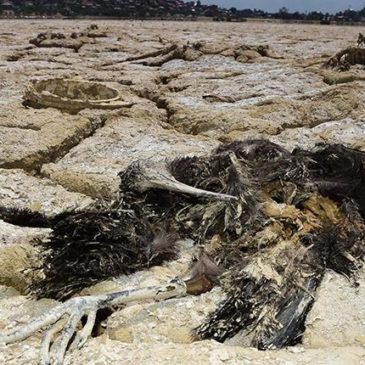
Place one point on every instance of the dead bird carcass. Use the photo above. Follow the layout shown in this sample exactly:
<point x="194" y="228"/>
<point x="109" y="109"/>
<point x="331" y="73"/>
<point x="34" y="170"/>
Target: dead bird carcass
<point x="282" y="219"/>
<point x="73" y="95"/>
<point x="354" y="55"/>
<point x="57" y="40"/>
<point x="73" y="41"/>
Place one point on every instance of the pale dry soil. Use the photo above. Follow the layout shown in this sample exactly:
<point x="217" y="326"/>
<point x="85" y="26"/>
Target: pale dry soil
<point x="52" y="161"/>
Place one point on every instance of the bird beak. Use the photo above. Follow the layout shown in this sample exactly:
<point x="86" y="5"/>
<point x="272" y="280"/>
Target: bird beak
<point x="171" y="184"/>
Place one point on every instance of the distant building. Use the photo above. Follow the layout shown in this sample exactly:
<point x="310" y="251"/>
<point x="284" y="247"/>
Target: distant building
<point x="7" y="8"/>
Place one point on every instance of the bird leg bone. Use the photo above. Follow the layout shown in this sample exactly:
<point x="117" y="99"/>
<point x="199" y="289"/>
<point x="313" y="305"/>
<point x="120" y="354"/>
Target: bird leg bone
<point x="77" y="308"/>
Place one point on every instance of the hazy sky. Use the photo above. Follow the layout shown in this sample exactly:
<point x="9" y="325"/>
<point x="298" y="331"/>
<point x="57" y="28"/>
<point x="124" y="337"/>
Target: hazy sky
<point x="292" y="5"/>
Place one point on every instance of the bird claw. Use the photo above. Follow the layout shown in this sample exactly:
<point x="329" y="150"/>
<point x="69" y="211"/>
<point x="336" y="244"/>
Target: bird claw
<point x="65" y="318"/>
<point x="80" y="307"/>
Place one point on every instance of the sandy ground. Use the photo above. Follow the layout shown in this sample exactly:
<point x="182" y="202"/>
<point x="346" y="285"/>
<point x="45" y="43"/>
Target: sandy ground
<point x="211" y="89"/>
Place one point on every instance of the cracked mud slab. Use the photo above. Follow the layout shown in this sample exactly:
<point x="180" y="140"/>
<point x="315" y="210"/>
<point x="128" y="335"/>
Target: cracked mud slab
<point x="18" y="249"/>
<point x="32" y="137"/>
<point x="17" y="189"/>
<point x="347" y="131"/>
<point x="92" y="166"/>
<point x="343" y="314"/>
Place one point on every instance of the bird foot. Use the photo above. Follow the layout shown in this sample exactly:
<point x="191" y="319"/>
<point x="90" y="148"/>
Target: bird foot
<point x="66" y="317"/>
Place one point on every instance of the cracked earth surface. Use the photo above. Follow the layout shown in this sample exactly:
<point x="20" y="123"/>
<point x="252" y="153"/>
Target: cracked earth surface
<point x="191" y="85"/>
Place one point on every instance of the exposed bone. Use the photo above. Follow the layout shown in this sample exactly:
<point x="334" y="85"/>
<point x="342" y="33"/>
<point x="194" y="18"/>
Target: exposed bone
<point x="76" y="308"/>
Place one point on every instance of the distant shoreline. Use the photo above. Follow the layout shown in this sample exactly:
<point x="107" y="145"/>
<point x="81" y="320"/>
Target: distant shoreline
<point x="185" y="19"/>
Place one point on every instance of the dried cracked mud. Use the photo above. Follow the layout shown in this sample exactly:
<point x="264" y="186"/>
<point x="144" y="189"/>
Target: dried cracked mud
<point x="188" y="87"/>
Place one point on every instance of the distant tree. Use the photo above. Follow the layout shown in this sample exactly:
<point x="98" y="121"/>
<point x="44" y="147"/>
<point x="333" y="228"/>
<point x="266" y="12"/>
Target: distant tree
<point x="212" y="11"/>
<point x="315" y="15"/>
<point x="351" y="15"/>
<point x="297" y="15"/>
<point x="284" y="13"/>
<point x="148" y="8"/>
<point x="284" y="10"/>
<point x="141" y="11"/>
